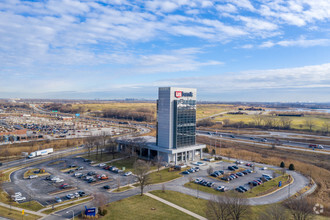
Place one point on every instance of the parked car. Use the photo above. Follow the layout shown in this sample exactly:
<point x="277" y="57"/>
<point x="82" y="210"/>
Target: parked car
<point x="220" y="188"/>
<point x="198" y="180"/>
<point x="64" y="186"/>
<point x="185" y="172"/>
<point x="79" y="168"/>
<point x="245" y="172"/>
<point x="231" y="168"/>
<point x="238" y="162"/>
<point x="58" y="199"/>
<point x="106" y="187"/>
<point x="249" y="171"/>
<point x="19" y="199"/>
<point x="33" y="176"/>
<point x="87" y="160"/>
<point x="196" y="169"/>
<point x="239" y="174"/>
<point x="210" y="184"/>
<point x="235" y="167"/>
<point x="264" y="168"/>
<point x="239" y="190"/>
<point x="59" y="180"/>
<point x="225" y="178"/>
<point x="128" y="173"/>
<point x="243" y="188"/>
<point x="70" y="196"/>
<point x="70" y="171"/>
<point x="76" y="195"/>
<point x="81" y="193"/>
<point x="102" y="164"/>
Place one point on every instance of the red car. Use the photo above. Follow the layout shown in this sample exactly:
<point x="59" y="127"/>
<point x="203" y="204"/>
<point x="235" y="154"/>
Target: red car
<point x="64" y="185"/>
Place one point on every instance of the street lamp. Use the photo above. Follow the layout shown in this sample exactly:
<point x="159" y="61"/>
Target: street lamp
<point x="72" y="213"/>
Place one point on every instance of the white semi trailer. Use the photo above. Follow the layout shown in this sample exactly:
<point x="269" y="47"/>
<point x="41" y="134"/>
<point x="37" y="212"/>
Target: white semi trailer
<point x="41" y="152"/>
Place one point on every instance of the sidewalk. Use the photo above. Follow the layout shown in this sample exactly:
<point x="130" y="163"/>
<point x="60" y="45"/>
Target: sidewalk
<point x="176" y="206"/>
<point x="20" y="210"/>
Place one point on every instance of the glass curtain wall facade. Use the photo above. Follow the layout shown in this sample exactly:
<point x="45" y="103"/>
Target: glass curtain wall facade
<point x="184" y="123"/>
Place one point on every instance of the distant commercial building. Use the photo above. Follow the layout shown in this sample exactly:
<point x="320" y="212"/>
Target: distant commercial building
<point x="176" y="128"/>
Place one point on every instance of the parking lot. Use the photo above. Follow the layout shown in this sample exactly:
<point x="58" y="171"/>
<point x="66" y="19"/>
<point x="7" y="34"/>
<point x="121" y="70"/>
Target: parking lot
<point x="45" y="191"/>
<point x="244" y="180"/>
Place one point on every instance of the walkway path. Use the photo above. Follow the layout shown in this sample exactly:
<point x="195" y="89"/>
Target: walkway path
<point x="19" y="209"/>
<point x="175" y="206"/>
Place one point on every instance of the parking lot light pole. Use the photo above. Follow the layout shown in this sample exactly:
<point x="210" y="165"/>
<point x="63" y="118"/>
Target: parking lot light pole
<point x="72" y="213"/>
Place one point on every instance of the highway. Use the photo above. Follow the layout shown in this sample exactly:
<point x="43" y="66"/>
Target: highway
<point x="261" y="141"/>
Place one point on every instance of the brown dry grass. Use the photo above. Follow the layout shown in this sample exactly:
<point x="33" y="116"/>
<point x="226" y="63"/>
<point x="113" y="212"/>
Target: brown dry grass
<point x="310" y="164"/>
<point x="13" y="151"/>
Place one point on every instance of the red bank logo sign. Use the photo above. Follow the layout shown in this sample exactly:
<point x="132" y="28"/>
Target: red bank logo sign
<point x="178" y="94"/>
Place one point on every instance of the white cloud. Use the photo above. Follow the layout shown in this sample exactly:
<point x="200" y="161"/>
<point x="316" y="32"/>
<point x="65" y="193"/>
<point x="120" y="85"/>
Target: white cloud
<point x="301" y="42"/>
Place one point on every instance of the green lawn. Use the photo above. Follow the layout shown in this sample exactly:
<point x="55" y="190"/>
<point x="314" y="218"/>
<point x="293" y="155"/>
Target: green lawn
<point x="164" y="176"/>
<point x="191" y="203"/>
<point x="13" y="214"/>
<point x="255" y="191"/>
<point x="143" y="207"/>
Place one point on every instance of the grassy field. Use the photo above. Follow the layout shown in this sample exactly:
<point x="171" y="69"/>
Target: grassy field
<point x="191" y="203"/>
<point x="198" y="206"/>
<point x="143" y="207"/>
<point x="12" y="214"/>
<point x="206" y="110"/>
<point x="298" y="123"/>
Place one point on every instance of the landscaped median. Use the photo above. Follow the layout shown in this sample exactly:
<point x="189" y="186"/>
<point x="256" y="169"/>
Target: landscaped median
<point x="67" y="204"/>
<point x="121" y="189"/>
<point x="34" y="171"/>
<point x="269" y="187"/>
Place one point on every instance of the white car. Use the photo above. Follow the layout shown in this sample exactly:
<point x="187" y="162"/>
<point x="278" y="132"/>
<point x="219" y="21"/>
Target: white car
<point x="59" y="180"/>
<point x="76" y="195"/>
<point x="33" y="176"/>
<point x="102" y="164"/>
<point x="264" y="168"/>
<point x="19" y="198"/>
<point x="128" y="173"/>
<point x="70" y="196"/>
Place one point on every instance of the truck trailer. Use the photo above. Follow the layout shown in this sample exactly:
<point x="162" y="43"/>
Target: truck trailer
<point x="41" y="152"/>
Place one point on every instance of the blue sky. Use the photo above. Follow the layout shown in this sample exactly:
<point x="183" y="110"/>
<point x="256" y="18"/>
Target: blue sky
<point x="230" y="50"/>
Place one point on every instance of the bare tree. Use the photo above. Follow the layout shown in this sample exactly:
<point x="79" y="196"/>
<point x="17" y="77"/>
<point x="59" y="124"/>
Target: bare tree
<point x="141" y="170"/>
<point x="118" y="180"/>
<point x="210" y="170"/>
<point x="274" y="212"/>
<point x="258" y="119"/>
<point x="285" y="122"/>
<point x="90" y="143"/>
<point x="229" y="206"/>
<point x="100" y="200"/>
<point x="300" y="208"/>
<point x="111" y="147"/>
<point x="325" y="127"/>
<point x="159" y="162"/>
<point x="218" y="209"/>
<point x="309" y="123"/>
